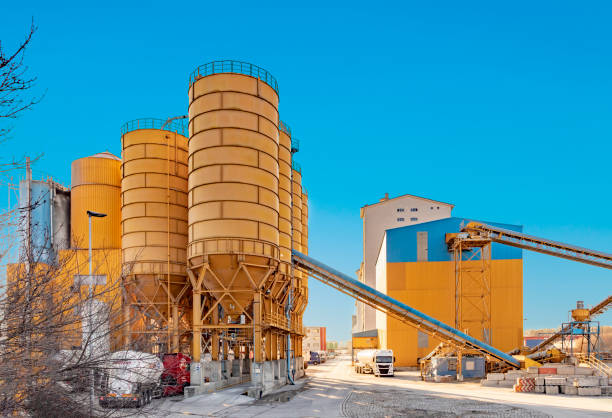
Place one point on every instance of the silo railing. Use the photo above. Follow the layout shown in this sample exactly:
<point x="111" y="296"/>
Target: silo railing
<point x="295" y="145"/>
<point x="177" y="126"/>
<point x="284" y="127"/>
<point x="296" y="166"/>
<point x="237" y="67"/>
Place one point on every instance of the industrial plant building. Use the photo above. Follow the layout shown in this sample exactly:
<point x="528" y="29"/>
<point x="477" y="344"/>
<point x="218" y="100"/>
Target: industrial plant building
<point x="409" y="256"/>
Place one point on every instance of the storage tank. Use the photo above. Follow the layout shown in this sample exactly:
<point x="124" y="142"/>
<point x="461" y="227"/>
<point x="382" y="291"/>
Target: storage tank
<point x="96" y="186"/>
<point x="233" y="198"/>
<point x="304" y="221"/>
<point x="48" y="203"/>
<point x="284" y="192"/>
<point x="296" y="210"/>
<point x="154" y="223"/>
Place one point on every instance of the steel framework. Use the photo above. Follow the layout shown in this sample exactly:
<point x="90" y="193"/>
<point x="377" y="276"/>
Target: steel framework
<point x="472" y="257"/>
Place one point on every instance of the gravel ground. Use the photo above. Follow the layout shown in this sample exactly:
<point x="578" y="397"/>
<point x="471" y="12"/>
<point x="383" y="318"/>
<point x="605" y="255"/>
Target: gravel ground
<point x="405" y="403"/>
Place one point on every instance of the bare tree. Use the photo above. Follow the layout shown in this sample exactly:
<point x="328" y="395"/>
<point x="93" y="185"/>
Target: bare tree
<point x="15" y="82"/>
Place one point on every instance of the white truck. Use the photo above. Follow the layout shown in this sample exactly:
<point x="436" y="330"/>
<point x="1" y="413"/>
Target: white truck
<point x="377" y="362"/>
<point x="132" y="379"/>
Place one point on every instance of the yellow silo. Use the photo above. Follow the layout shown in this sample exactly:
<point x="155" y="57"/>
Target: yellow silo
<point x="233" y="250"/>
<point x="154" y="231"/>
<point x="296" y="210"/>
<point x="96" y="186"/>
<point x="304" y="221"/>
<point x="284" y="192"/>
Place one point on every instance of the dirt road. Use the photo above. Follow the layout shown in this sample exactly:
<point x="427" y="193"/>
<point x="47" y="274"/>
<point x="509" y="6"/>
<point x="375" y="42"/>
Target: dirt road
<point x="333" y="389"/>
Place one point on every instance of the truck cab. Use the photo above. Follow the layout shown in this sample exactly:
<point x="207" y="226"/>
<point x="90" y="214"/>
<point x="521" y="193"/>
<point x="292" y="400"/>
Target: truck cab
<point x="384" y="363"/>
<point x="176" y="373"/>
<point x="377" y="362"/>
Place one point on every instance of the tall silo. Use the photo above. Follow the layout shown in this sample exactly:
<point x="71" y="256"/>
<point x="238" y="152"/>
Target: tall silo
<point x="96" y="186"/>
<point x="233" y="250"/>
<point x="284" y="192"/>
<point x="154" y="232"/>
<point x="304" y="221"/>
<point x="300" y="278"/>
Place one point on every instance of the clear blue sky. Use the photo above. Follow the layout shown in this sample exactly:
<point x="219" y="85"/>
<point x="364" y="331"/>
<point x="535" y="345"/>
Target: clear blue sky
<point x="503" y="110"/>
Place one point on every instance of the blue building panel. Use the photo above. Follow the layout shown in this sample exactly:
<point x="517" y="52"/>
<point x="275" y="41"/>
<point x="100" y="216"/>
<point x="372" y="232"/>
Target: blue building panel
<point x="402" y="242"/>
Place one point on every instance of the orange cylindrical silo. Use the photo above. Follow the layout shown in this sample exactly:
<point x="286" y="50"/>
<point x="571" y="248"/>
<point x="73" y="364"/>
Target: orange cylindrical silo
<point x="285" y="192"/>
<point x="296" y="209"/>
<point x="304" y="221"/>
<point x="154" y="223"/>
<point x="96" y="186"/>
<point x="233" y="199"/>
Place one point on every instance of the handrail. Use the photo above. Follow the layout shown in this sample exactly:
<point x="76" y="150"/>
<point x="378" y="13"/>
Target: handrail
<point x="296" y="166"/>
<point x="283" y="127"/>
<point x="529" y="242"/>
<point x="396" y="309"/>
<point x="295" y="145"/>
<point x="236" y="67"/>
<point x="177" y="126"/>
<point x="595" y="363"/>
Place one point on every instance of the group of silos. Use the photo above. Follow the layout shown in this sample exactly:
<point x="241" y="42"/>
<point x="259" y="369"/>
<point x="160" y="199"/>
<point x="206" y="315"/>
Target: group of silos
<point x="206" y="215"/>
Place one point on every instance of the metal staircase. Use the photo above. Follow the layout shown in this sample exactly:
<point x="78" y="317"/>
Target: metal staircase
<point x="594" y="363"/>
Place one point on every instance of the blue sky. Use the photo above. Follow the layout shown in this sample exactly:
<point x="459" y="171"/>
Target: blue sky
<point x="503" y="110"/>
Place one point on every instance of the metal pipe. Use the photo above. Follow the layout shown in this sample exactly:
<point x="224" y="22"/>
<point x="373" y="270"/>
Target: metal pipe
<point x="92" y="393"/>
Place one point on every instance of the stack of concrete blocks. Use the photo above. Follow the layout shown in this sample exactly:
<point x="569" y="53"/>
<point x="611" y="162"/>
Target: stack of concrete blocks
<point x="553" y="379"/>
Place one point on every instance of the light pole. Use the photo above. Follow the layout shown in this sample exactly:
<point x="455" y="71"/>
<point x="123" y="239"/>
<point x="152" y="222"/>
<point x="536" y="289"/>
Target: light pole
<point x="91" y="214"/>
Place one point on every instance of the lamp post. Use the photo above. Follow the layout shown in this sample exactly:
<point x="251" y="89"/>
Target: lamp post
<point x="91" y="214"/>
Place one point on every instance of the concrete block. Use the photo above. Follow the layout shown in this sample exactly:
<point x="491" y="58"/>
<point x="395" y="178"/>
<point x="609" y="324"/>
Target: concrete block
<point x="506" y="383"/>
<point x="532" y="369"/>
<point x="443" y="379"/>
<point x="586" y="381"/>
<point x="539" y="389"/>
<point x="513" y="375"/>
<point x="592" y="391"/>
<point x="495" y="376"/>
<point x="489" y="383"/>
<point x="569" y="390"/>
<point x="547" y="370"/>
<point x="606" y="390"/>
<point x="565" y="370"/>
<point x="583" y="371"/>
<point x="603" y="381"/>
<point x="552" y="390"/>
<point x="540" y="381"/>
<point x="555" y="381"/>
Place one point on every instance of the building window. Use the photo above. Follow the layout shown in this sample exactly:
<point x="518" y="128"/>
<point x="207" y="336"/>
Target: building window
<point x="414" y="209"/>
<point x="400" y="219"/>
<point x="414" y="219"/>
<point x="400" y="209"/>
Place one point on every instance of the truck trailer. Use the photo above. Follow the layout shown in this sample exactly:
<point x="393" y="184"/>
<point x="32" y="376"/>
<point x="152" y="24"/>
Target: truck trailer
<point x="133" y="379"/>
<point x="377" y="362"/>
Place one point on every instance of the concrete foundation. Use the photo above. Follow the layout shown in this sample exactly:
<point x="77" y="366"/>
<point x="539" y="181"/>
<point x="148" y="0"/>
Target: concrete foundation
<point x="210" y="376"/>
<point x="269" y="376"/>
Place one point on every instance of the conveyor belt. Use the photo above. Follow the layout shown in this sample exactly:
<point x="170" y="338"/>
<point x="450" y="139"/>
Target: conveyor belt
<point x="397" y="309"/>
<point x="541" y="245"/>
<point x="596" y="310"/>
